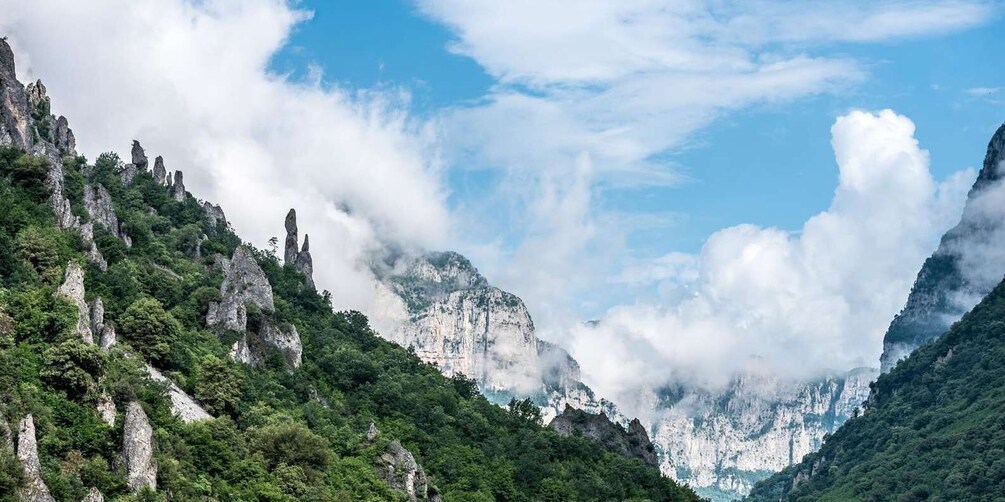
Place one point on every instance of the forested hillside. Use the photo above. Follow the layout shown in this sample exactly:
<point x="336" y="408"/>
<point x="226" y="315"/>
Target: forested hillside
<point x="933" y="428"/>
<point x="124" y="303"/>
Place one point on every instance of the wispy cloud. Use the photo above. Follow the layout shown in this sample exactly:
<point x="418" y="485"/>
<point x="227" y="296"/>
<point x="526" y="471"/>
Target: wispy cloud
<point x="983" y="91"/>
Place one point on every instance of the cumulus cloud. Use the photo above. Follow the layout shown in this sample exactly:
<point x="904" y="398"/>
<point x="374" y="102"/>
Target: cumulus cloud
<point x="626" y="85"/>
<point x="799" y="303"/>
<point x="190" y="80"/>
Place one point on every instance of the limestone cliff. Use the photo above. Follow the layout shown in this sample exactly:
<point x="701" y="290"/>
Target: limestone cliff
<point x="442" y="307"/>
<point x="721" y="442"/>
<point x="301" y="260"/>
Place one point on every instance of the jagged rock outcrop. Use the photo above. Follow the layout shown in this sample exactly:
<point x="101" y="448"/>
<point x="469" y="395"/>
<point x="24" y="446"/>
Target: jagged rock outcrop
<point x="106" y="409"/>
<point x="178" y="187"/>
<point x="398" y="467"/>
<point x="442" y="307"/>
<point x="372" y="432"/>
<point x="98" y="203"/>
<point x="966" y="266"/>
<point x="723" y="441"/>
<point x="292" y="238"/>
<point x="138" y="449"/>
<point x="104" y="332"/>
<point x="73" y="290"/>
<point x="245" y="284"/>
<point x="633" y="442"/>
<point x="26" y="122"/>
<point x="159" y="172"/>
<point x="139" y="157"/>
<point x="15" y="128"/>
<point x="187" y="409"/>
<point x="301" y="260"/>
<point x="129" y="171"/>
<point x="305" y="264"/>
<point x="214" y="215"/>
<point x="93" y="496"/>
<point x="33" y="488"/>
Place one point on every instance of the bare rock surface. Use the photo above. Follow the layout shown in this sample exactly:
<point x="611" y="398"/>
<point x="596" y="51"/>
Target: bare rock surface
<point x="33" y="488"/>
<point x="106" y="409"/>
<point x="73" y="290"/>
<point x="187" y="409"/>
<point x="243" y="283"/>
<point x="14" y="112"/>
<point x="401" y="472"/>
<point x="178" y="187"/>
<point x="633" y="442"/>
<point x="98" y="203"/>
<point x="160" y="173"/>
<point x="138" y="449"/>
<point x="93" y="496"/>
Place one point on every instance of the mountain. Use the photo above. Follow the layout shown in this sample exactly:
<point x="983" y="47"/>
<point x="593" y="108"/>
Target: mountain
<point x="721" y="442"/>
<point x="932" y="429"/>
<point x="968" y="263"/>
<point x="147" y="354"/>
<point x="440" y="305"/>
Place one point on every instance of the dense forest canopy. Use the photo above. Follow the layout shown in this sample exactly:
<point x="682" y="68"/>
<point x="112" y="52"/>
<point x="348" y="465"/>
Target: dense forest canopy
<point x="278" y="433"/>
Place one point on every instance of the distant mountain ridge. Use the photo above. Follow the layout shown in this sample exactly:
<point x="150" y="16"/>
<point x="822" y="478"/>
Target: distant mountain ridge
<point x="968" y="263"/>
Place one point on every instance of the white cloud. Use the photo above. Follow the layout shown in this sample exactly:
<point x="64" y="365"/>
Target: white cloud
<point x="983" y="91"/>
<point x="190" y="81"/>
<point x="626" y="85"/>
<point x="799" y="303"/>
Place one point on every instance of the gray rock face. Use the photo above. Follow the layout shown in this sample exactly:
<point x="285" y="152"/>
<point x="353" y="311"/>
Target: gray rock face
<point x="160" y="173"/>
<point x="138" y="449"/>
<point x="442" y="307"/>
<point x="187" y="409"/>
<point x="398" y="467"/>
<point x="722" y="442"/>
<point x="33" y="488"/>
<point x="139" y="157"/>
<point x="301" y="260"/>
<point x="305" y="264"/>
<point x="63" y="136"/>
<point x="292" y="239"/>
<point x="244" y="283"/>
<point x="15" y="115"/>
<point x="968" y="263"/>
<point x="178" y="187"/>
<point x="632" y="443"/>
<point x="93" y="496"/>
<point x="129" y="171"/>
<point x="214" y="215"/>
<point x="98" y="203"/>
<point x="73" y="290"/>
<point x="106" y="409"/>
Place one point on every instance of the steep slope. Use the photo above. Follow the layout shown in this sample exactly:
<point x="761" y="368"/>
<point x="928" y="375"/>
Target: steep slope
<point x="440" y="306"/>
<point x="932" y="430"/>
<point x="157" y="360"/>
<point x="722" y="442"/>
<point x="967" y="264"/>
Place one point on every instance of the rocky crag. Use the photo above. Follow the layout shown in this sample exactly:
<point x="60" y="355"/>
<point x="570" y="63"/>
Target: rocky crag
<point x="632" y="442"/>
<point x="968" y="263"/>
<point x="722" y="442"/>
<point x="301" y="260"/>
<point x="439" y="305"/>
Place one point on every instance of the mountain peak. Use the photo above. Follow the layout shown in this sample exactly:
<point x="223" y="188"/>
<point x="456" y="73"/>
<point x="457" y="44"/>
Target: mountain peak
<point x="991" y="171"/>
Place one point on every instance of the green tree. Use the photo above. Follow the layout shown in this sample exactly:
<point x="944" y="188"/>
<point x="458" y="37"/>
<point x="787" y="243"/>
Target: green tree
<point x="149" y="328"/>
<point x="72" y="366"/>
<point x="40" y="249"/>
<point x="292" y="444"/>
<point x="218" y="385"/>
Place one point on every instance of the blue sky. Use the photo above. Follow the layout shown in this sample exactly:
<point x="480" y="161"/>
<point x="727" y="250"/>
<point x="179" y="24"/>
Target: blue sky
<point x="770" y="165"/>
<point x="764" y="159"/>
<point x="714" y="180"/>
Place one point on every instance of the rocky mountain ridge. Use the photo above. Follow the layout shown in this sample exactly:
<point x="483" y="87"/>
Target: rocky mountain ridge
<point x="966" y="266"/>
<point x="442" y="307"/>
